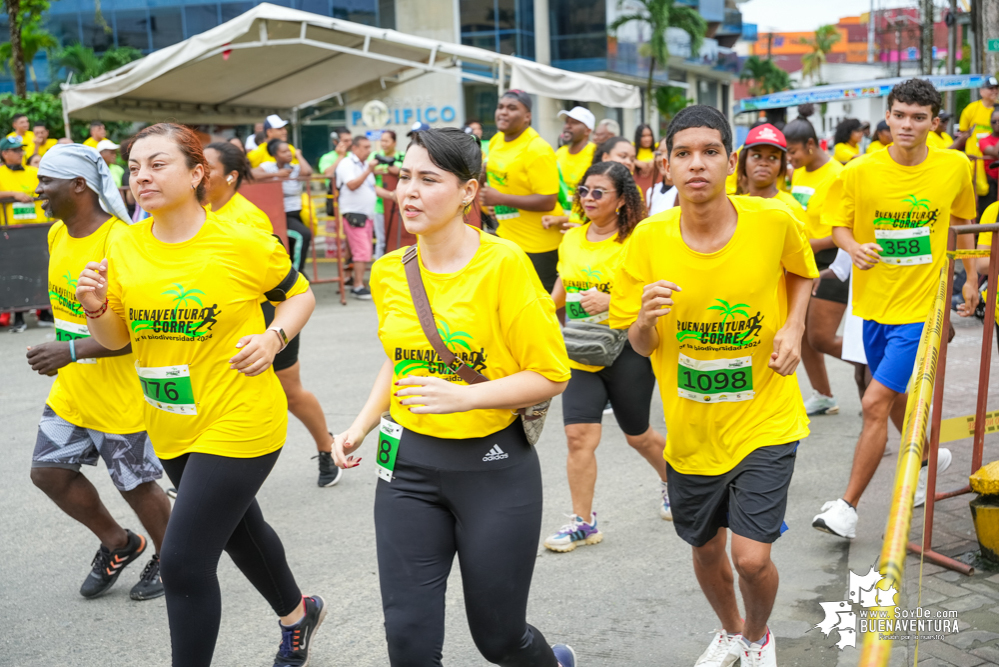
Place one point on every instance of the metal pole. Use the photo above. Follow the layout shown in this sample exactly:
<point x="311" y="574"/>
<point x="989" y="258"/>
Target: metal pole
<point x="951" y="52"/>
<point x="898" y="47"/>
<point x="983" y="374"/>
<point x="65" y="117"/>
<point x="926" y="60"/>
<point x="870" y="35"/>
<point x="974" y="42"/>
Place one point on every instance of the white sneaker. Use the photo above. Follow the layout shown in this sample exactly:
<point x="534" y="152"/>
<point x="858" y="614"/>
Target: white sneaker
<point x="837" y="518"/>
<point x="818" y="404"/>
<point x="719" y="652"/>
<point x="763" y="654"/>
<point x="944" y="459"/>
<point x="664" y="509"/>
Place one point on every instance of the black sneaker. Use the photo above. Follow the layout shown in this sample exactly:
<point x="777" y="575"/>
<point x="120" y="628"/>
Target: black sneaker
<point x="149" y="585"/>
<point x="329" y="473"/>
<point x="362" y="293"/>
<point x="109" y="564"/>
<point x="296" y="642"/>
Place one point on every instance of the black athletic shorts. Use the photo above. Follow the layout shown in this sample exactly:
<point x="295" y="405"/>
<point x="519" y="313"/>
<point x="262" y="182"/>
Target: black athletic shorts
<point x="546" y="266"/>
<point x="833" y="289"/>
<point x="824" y="258"/>
<point x="287" y="357"/>
<point x="628" y="383"/>
<point x="750" y="499"/>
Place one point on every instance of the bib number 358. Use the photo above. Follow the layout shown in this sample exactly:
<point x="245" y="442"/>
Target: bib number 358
<point x="388" y="447"/>
<point x="168" y="388"/>
<point x="715" y="380"/>
<point x="905" y="247"/>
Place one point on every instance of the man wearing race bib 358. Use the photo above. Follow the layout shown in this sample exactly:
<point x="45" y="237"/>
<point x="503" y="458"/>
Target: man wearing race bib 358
<point x="715" y="291"/>
<point x="893" y="218"/>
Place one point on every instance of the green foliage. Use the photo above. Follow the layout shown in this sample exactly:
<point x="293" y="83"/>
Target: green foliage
<point x="21" y="14"/>
<point x="85" y="64"/>
<point x="821" y="44"/>
<point x="670" y="100"/>
<point x="47" y="108"/>
<point x="33" y="40"/>
<point x="764" y="77"/>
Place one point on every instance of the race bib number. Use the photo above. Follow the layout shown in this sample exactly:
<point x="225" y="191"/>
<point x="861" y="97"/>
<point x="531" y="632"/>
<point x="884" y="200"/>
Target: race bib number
<point x="67" y="331"/>
<point x="388" y="447"/>
<point x="506" y="212"/>
<point x="904" y="247"/>
<point x="575" y="311"/>
<point x="715" y="380"/>
<point x="168" y="388"/>
<point x="23" y="211"/>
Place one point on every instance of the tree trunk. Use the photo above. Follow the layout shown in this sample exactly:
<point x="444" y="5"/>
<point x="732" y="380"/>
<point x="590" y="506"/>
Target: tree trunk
<point x="990" y="30"/>
<point x="17" y="53"/>
<point x="648" y="91"/>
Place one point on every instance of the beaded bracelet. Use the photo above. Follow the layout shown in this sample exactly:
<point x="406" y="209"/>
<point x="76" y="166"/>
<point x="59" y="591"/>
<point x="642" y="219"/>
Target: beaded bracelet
<point x="94" y="314"/>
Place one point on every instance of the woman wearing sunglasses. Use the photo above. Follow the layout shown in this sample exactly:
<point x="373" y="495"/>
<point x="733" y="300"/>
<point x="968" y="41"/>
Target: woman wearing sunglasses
<point x="611" y="207"/>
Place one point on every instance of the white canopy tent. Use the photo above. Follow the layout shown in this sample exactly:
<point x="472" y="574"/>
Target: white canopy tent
<point x="274" y="59"/>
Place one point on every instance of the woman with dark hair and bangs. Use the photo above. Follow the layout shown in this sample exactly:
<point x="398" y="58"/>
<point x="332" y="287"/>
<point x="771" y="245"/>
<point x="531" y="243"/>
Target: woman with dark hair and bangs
<point x="611" y="207"/>
<point x="457" y="474"/>
<point x="184" y="288"/>
<point x="645" y="149"/>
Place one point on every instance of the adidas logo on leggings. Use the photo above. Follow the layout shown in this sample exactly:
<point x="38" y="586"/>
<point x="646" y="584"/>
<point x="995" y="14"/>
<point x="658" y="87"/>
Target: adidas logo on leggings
<point x="495" y="454"/>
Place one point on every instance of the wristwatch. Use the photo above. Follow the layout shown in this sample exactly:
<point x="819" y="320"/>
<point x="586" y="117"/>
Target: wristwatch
<point x="282" y="335"/>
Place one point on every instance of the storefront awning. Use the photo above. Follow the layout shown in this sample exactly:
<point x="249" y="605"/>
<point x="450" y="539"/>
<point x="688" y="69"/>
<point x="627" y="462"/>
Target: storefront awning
<point x="849" y="91"/>
<point x="274" y="59"/>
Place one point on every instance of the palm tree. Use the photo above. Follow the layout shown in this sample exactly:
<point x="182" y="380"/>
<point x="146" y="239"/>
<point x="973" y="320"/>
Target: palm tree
<point x="660" y="15"/>
<point x="811" y="63"/>
<point x="85" y="64"/>
<point x="33" y="40"/>
<point x="670" y="100"/>
<point x="764" y="77"/>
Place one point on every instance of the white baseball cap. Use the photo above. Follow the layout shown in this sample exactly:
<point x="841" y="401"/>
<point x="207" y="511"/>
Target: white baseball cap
<point x="274" y="122"/>
<point x="106" y="145"/>
<point x="582" y="114"/>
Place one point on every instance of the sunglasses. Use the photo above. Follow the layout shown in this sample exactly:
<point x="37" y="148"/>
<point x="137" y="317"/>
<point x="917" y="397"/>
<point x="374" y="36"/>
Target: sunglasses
<point x="598" y="193"/>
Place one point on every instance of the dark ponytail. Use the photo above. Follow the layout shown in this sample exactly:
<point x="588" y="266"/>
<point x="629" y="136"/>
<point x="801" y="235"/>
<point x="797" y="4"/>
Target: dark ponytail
<point x="452" y="150"/>
<point x="233" y="160"/>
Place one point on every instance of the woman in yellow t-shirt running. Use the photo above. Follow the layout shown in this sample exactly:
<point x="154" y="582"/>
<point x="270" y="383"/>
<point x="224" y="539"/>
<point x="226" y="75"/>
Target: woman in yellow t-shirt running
<point x="183" y="287"/>
<point x="645" y="150"/>
<point x="229" y="168"/>
<point x="589" y="257"/>
<point x="849" y="134"/>
<point x="456" y="473"/>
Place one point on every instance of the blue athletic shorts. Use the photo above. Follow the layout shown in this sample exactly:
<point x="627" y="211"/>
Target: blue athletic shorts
<point x="891" y="352"/>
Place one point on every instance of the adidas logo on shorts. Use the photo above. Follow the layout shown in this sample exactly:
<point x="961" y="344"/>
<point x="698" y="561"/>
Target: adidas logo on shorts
<point x="495" y="454"/>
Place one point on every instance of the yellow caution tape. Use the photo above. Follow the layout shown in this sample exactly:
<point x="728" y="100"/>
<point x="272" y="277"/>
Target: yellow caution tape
<point x="957" y="428"/>
<point x="958" y="254"/>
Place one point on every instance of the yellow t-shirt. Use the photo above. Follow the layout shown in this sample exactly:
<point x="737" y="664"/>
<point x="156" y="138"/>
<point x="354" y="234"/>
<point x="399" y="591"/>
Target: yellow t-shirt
<point x="259" y="155"/>
<point x="240" y="209"/>
<point x="22" y="180"/>
<point x="42" y="149"/>
<point x="985" y="239"/>
<point x="524" y="166"/>
<point x="101" y="394"/>
<point x="978" y="118"/>
<point x="584" y="265"/>
<point x="877" y="145"/>
<point x="811" y="189"/>
<point x="732" y="180"/>
<point x="493" y="314"/>
<point x="645" y="154"/>
<point x="720" y="398"/>
<point x="90" y="141"/>
<point x="906" y="210"/>
<point x="574" y="166"/>
<point x="845" y="152"/>
<point x="28" y="141"/>
<point x="186" y="306"/>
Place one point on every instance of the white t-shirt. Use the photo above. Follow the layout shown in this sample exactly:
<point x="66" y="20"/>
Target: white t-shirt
<point x="292" y="189"/>
<point x="659" y="201"/>
<point x="361" y="200"/>
<point x="251" y="142"/>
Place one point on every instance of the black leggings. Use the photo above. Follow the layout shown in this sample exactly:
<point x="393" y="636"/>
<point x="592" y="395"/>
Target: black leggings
<point x="628" y="383"/>
<point x="299" y="239"/>
<point x="444" y="499"/>
<point x="216" y="511"/>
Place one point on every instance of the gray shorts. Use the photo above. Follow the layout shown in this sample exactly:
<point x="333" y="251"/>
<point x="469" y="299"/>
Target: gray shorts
<point x="130" y="458"/>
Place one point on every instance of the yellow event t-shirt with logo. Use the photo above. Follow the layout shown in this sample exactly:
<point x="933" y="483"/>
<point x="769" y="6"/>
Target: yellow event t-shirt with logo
<point x="21" y="180"/>
<point x="259" y="155"/>
<point x="720" y="399"/>
<point x="905" y="210"/>
<point x="811" y="189"/>
<point x="186" y="306"/>
<point x="844" y="153"/>
<point x="242" y="210"/>
<point x="877" y="145"/>
<point x="101" y="394"/>
<point x="587" y="265"/>
<point x="493" y="314"/>
<point x="524" y="166"/>
<point x="573" y="166"/>
<point x="978" y="118"/>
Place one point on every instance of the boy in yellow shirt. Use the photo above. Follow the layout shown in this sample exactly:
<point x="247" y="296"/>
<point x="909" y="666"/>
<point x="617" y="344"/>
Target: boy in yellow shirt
<point x="715" y="291"/>
<point x="18" y="182"/>
<point x="896" y="235"/>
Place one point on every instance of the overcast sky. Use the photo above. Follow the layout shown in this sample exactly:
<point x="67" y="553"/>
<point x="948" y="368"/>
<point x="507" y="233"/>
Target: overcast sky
<point x="785" y="16"/>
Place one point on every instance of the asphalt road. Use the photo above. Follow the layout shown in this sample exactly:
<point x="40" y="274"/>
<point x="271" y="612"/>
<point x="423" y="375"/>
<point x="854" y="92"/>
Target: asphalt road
<point x="632" y="600"/>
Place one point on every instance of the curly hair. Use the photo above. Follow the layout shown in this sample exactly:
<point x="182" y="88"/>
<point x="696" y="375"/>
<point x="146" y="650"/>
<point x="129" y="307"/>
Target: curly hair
<point x="845" y="128"/>
<point x="916" y="91"/>
<point x="607" y="148"/>
<point x="187" y="143"/>
<point x="632" y="211"/>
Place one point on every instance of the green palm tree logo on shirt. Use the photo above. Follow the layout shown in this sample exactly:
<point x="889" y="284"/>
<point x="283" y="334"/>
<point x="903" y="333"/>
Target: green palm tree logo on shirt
<point x="915" y="202"/>
<point x="181" y="297"/>
<point x="727" y="311"/>
<point x="452" y="340"/>
<point x="70" y="280"/>
<point x="592" y="274"/>
<point x="65" y="300"/>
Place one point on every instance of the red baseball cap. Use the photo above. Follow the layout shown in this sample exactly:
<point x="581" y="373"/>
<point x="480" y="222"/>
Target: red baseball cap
<point x="766" y="134"/>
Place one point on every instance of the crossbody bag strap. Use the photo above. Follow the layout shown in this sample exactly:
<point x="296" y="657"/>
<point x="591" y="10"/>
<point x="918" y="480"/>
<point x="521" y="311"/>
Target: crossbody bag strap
<point x="426" y="316"/>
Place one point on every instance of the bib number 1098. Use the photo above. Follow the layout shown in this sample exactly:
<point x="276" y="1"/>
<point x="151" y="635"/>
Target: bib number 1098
<point x="715" y="380"/>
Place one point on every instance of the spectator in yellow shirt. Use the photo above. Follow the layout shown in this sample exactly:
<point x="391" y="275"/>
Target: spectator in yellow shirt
<point x="19" y="128"/>
<point x="275" y="127"/>
<point x="847" y="140"/>
<point x="98" y="133"/>
<point x="882" y="138"/>
<point x="18" y="182"/>
<point x="42" y="142"/>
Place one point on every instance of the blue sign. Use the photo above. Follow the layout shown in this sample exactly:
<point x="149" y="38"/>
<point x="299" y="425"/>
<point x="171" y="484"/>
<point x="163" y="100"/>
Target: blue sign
<point x="410" y="115"/>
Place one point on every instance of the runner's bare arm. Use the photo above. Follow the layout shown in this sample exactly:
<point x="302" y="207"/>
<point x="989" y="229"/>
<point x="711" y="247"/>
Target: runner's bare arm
<point x="864" y="255"/>
<point x="105" y="326"/>
<point x="22" y="197"/>
<point x="434" y="396"/>
<point x="537" y="203"/>
<point x="256" y="351"/>
<point x="787" y="341"/>
<point x="970" y="289"/>
<point x="50" y="357"/>
<point x="656" y="301"/>
<point x="378" y="402"/>
<point x="824" y="243"/>
<point x="304" y="168"/>
<point x="558" y="293"/>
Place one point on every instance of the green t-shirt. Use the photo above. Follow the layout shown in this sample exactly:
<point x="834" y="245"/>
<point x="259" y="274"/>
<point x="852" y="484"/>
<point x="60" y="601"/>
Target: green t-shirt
<point x="399" y="156"/>
<point x="328" y="160"/>
<point x="117" y="172"/>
